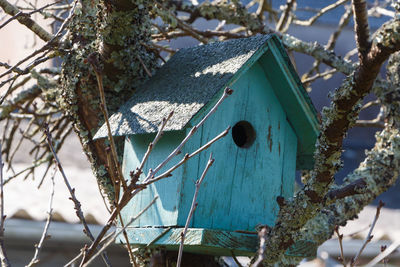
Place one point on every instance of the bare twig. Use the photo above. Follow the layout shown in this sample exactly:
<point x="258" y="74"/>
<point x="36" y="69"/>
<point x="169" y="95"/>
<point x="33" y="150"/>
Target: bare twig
<point x="35" y="260"/>
<point x="384" y="254"/>
<point x="117" y="233"/>
<point x="371" y="104"/>
<point x="25" y="20"/>
<point x="344" y="20"/>
<point x="369" y="237"/>
<point x="262" y="234"/>
<point x="370" y="123"/>
<point x="152" y="144"/>
<point x="340" y="238"/>
<point x="71" y="190"/>
<point x="132" y="258"/>
<point x="227" y="92"/>
<point x="322" y="11"/>
<point x="308" y="80"/>
<point x="3" y="255"/>
<point x="22" y="14"/>
<point x="129" y="194"/>
<point x="52" y="42"/>
<point x="120" y="177"/>
<point x="192" y="209"/>
<point x="168" y="172"/>
<point x="286" y="17"/>
<point x="144" y="66"/>
<point x="235" y="259"/>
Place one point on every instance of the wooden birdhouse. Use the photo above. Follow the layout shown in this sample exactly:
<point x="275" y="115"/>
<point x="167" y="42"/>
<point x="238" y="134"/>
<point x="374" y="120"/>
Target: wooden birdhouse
<point x="274" y="129"/>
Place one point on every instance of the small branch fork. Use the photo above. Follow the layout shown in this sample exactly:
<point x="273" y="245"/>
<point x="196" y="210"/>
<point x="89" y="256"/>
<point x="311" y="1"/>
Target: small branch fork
<point x="52" y="43"/>
<point x="313" y="19"/>
<point x="3" y="255"/>
<point x="113" y="236"/>
<point x="25" y="20"/>
<point x="38" y="247"/>
<point x="133" y="188"/>
<point x="192" y="209"/>
<point x="369" y="237"/>
<point x="340" y="238"/>
<point x="71" y="190"/>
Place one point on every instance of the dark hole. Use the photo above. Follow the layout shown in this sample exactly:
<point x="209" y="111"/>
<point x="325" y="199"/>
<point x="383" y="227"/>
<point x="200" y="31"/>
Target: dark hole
<point x="243" y="134"/>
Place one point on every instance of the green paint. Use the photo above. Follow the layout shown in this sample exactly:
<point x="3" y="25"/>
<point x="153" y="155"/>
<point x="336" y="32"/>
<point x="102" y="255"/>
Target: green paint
<point x="203" y="241"/>
<point x="165" y="211"/>
<point x="241" y="188"/>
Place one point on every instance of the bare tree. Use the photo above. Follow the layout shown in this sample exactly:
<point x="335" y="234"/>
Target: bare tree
<point x="108" y="47"/>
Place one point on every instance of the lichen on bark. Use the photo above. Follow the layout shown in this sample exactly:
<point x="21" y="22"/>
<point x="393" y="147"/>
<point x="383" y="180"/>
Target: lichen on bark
<point x="116" y="32"/>
<point x="380" y="169"/>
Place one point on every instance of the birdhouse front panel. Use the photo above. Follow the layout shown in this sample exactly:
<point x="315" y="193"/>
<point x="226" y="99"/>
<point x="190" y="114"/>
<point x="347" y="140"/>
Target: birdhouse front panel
<point x="249" y="171"/>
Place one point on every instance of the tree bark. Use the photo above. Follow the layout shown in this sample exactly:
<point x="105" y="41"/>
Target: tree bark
<point x="115" y="32"/>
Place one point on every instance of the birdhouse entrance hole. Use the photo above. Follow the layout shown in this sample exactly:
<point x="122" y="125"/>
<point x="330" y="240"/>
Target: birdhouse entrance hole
<point x="243" y="134"/>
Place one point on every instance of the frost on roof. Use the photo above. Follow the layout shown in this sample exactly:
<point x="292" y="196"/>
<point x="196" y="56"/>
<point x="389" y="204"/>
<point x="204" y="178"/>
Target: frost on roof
<point x="184" y="85"/>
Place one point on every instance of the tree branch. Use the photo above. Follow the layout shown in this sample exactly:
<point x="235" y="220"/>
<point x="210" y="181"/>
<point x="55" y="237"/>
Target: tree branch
<point x="379" y="170"/>
<point x="3" y="255"/>
<point x="361" y="28"/>
<point x="338" y="119"/>
<point x="25" y="20"/>
<point x="192" y="209"/>
<point x="313" y="19"/>
<point x="353" y="188"/>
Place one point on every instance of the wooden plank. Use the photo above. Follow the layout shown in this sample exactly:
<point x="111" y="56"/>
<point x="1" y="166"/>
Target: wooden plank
<point x="300" y="114"/>
<point x="240" y="189"/>
<point x="289" y="162"/>
<point x="203" y="241"/>
<point x="257" y="183"/>
<point x="190" y="173"/>
<point x="165" y="210"/>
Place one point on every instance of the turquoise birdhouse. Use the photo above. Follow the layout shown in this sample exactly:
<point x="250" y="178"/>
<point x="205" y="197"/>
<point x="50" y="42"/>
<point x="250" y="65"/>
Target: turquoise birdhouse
<point x="274" y="129"/>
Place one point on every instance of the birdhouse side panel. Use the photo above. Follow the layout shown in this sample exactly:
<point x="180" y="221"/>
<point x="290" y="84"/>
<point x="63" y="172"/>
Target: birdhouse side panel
<point x="164" y="211"/>
<point x="240" y="189"/>
<point x="289" y="90"/>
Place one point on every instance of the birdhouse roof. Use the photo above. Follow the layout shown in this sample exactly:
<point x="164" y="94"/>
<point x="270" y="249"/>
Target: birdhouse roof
<point x="194" y="76"/>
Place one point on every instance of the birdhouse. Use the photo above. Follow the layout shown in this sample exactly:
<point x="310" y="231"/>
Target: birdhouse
<point x="274" y="129"/>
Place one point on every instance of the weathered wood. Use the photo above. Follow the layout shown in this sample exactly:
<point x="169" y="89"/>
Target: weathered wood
<point x="201" y="241"/>
<point x="272" y="124"/>
<point x="298" y="108"/>
<point x="164" y="211"/>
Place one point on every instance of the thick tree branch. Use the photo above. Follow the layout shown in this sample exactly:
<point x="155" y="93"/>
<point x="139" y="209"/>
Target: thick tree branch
<point x="232" y="13"/>
<point x="379" y="170"/>
<point x="338" y="119"/>
<point x="361" y="27"/>
<point x="20" y="98"/>
<point x="318" y="52"/>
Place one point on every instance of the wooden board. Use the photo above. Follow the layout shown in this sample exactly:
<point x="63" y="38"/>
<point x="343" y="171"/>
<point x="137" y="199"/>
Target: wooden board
<point x="164" y="211"/>
<point x="240" y="189"/>
<point x="202" y="241"/>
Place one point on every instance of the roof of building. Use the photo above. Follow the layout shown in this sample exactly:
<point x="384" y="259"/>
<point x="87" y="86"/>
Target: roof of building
<point x="187" y="82"/>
